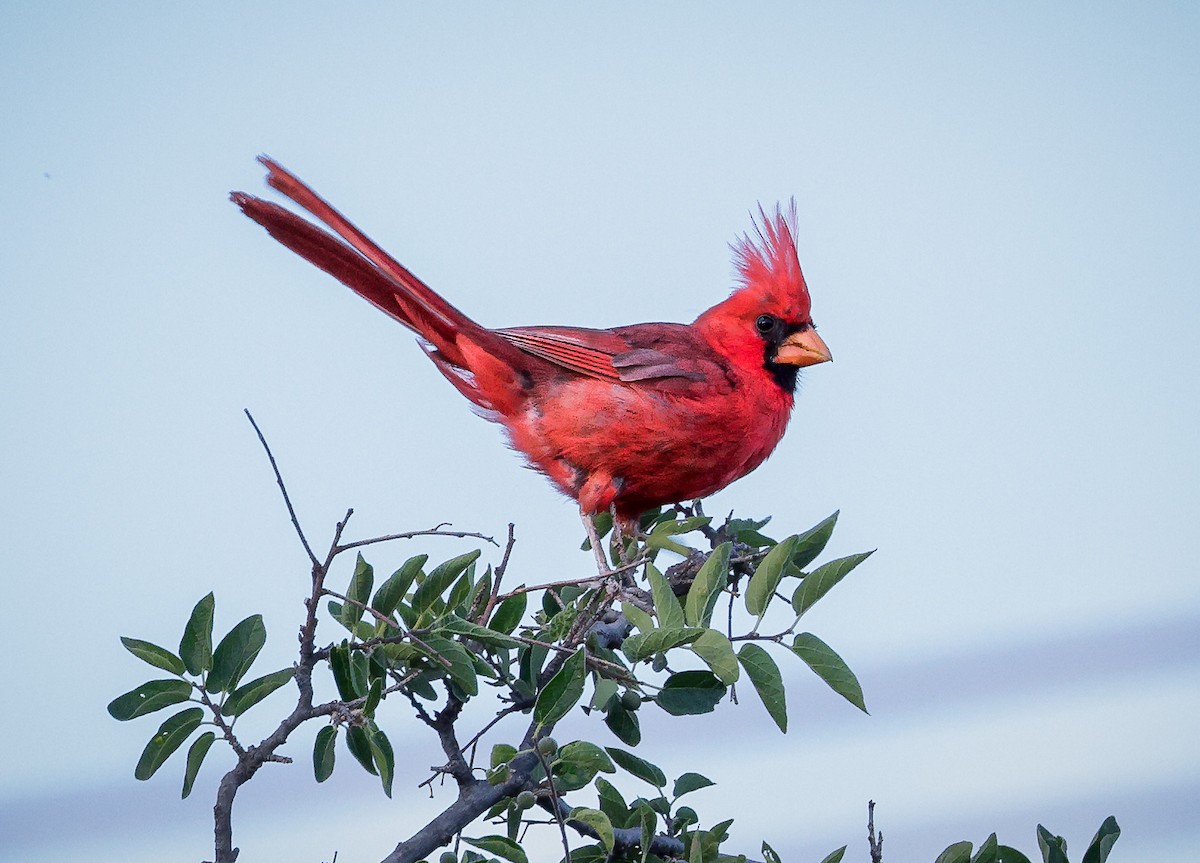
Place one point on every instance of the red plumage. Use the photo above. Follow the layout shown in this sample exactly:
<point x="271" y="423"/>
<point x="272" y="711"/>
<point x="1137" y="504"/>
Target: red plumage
<point x="631" y="417"/>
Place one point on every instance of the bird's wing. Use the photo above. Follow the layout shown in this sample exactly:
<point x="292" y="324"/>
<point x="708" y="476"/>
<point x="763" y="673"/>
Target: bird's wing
<point x="642" y="352"/>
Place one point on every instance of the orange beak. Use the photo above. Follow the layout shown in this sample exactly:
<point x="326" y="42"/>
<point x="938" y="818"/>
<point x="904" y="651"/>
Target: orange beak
<point x="803" y="349"/>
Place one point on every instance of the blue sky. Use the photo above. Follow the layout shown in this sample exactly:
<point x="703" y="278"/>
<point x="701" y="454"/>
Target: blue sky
<point x="999" y="225"/>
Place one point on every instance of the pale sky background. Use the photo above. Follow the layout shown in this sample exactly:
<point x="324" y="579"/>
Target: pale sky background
<point x="999" y="222"/>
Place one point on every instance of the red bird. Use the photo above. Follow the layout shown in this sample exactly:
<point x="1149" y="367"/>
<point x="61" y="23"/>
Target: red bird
<point x="627" y="418"/>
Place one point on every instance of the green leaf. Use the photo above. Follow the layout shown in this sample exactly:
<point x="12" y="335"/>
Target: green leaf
<point x="359" y="744"/>
<point x="509" y="613"/>
<point x="1102" y="842"/>
<point x="612" y="803"/>
<point x="578" y="763"/>
<point x="249" y="694"/>
<point x="459" y="593"/>
<point x="835" y="856"/>
<point x="830" y="667"/>
<point x="811" y="543"/>
<point x="500" y="846"/>
<point x="767" y="680"/>
<point x="646" y="644"/>
<point x="343" y="677"/>
<point x="638" y="617"/>
<point x="392" y="591"/>
<point x="988" y="851"/>
<point x="690" y="692"/>
<point x="440" y="579"/>
<point x="236" y="653"/>
<point x="461" y="670"/>
<point x="195" y="648"/>
<point x="170" y="736"/>
<point x="767" y="576"/>
<point x="714" y="648"/>
<point x="157" y="656"/>
<point x="638" y="767"/>
<point x="562" y="691"/>
<point x="598" y="821"/>
<point x="1054" y="848"/>
<point x="195" y="758"/>
<point x="666" y="605"/>
<point x="603" y="689"/>
<point x="647" y="821"/>
<point x="374" y="696"/>
<point x="149" y="697"/>
<point x="769" y="854"/>
<point x="382" y="755"/>
<point x="455" y="625"/>
<point x="1005" y="854"/>
<point x="324" y="753"/>
<point x="689" y="782"/>
<point x="358" y="592"/>
<point x="818" y="582"/>
<point x="959" y="852"/>
<point x="709" y="582"/>
<point x="624" y="724"/>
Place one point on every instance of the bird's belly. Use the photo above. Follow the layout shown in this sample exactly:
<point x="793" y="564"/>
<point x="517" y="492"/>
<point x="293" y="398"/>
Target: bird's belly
<point x="639" y="449"/>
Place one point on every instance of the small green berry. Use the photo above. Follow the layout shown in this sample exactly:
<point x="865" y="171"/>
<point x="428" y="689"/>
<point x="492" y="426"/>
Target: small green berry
<point x="526" y="799"/>
<point x="547" y="746"/>
<point x="448" y="857"/>
<point x="630" y="700"/>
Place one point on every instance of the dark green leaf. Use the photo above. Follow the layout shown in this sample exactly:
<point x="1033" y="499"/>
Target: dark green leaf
<point x="812" y="542"/>
<point x="835" y="856"/>
<point x="358" y="593"/>
<point x="767" y="680"/>
<point x="249" y="694"/>
<point x="440" y="579"/>
<point x="236" y="653"/>
<point x="767" y="576"/>
<point x="501" y="846"/>
<point x="818" y="582"/>
<point x="374" y="696"/>
<point x="599" y="823"/>
<point x="666" y="605"/>
<point x="461" y="670"/>
<point x="577" y="764"/>
<point x="148" y="698"/>
<point x="770" y="855"/>
<point x="360" y="671"/>
<point x="562" y="691"/>
<point x="157" y="656"/>
<point x="1054" y="848"/>
<point x="455" y="625"/>
<point x="170" y="736"/>
<point x="988" y="851"/>
<point x="195" y="758"/>
<point x="382" y="755"/>
<point x="624" y="724"/>
<point x="392" y="591"/>
<point x="690" y="692"/>
<point x="359" y="744"/>
<point x="195" y="648"/>
<point x="959" y="852"/>
<point x="612" y="803"/>
<point x="638" y="767"/>
<point x="1005" y="854"/>
<point x="646" y="644"/>
<point x="830" y="667"/>
<point x="603" y="689"/>
<point x="689" y="782"/>
<point x="459" y="593"/>
<point x="343" y="677"/>
<point x="324" y="752"/>
<point x="1102" y="842"/>
<point x="709" y="582"/>
<point x="509" y="613"/>
<point x="714" y="648"/>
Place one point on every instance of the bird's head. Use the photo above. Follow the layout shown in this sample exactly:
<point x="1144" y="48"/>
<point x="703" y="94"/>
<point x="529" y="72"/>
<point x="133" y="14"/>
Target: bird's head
<point x="767" y="321"/>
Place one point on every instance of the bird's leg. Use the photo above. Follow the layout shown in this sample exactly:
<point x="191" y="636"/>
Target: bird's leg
<point x="594" y="539"/>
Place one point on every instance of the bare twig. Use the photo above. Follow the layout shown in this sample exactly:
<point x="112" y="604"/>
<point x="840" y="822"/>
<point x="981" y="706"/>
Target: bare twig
<point x="433" y="531"/>
<point x="279" y="479"/>
<point x="876" y="844"/>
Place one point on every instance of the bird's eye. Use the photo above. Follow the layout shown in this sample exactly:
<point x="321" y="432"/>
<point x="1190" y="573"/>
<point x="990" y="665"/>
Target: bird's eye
<point x="765" y="324"/>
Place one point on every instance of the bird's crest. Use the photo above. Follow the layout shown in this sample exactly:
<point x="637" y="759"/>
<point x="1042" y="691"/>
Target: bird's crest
<point x="769" y="263"/>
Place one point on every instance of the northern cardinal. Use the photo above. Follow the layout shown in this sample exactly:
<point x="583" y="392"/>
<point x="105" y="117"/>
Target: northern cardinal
<point x="628" y="418"/>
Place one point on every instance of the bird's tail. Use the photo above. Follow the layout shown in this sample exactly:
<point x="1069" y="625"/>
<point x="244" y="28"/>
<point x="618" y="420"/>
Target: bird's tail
<point x="356" y="261"/>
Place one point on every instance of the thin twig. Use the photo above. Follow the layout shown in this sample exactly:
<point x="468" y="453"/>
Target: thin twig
<point x="434" y="531"/>
<point x="279" y="479"/>
<point x="562" y="824"/>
